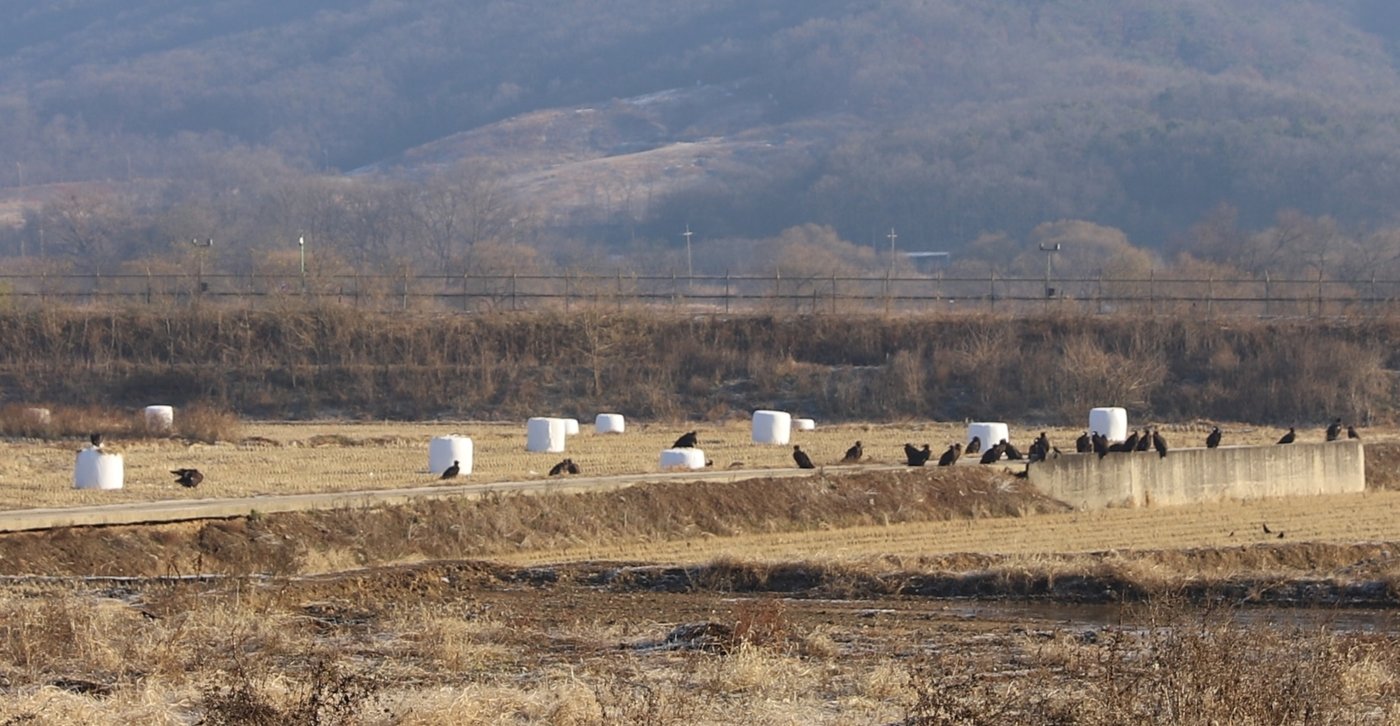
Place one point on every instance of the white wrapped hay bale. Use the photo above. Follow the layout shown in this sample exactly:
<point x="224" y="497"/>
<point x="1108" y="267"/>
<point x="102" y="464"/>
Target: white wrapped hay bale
<point x="545" y="435"/>
<point x="990" y="433"/>
<point x="610" y="423"/>
<point x="160" y="419"/>
<point x="443" y="450"/>
<point x="804" y="424"/>
<point x="682" y="459"/>
<point x="1110" y="422"/>
<point x="571" y="427"/>
<point x="772" y="427"/>
<point x="98" y="469"/>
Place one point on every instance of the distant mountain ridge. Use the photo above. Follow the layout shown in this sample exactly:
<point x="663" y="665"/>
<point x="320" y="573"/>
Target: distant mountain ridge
<point x="951" y="117"/>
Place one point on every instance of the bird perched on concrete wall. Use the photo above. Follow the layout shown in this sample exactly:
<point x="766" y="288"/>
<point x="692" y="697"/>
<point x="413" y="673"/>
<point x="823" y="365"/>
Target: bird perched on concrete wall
<point x="1213" y="439"/>
<point x="803" y="460"/>
<point x="1334" y="430"/>
<point x="853" y="454"/>
<point x="1084" y="444"/>
<point x="993" y="454"/>
<point x="452" y="471"/>
<point x="687" y="441"/>
<point x="1289" y="437"/>
<point x="1145" y="442"/>
<point x="1351" y="433"/>
<point x="949" y="457"/>
<point x="1159" y="443"/>
<point x="916" y="457"/>
<point x="1010" y="451"/>
<point x="96" y="440"/>
<point x="1100" y="443"/>
<point x="187" y="478"/>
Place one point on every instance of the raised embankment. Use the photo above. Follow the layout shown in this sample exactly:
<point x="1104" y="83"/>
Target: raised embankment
<point x="1190" y="476"/>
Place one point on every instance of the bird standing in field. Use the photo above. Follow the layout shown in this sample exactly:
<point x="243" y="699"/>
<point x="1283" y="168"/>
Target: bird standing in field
<point x="949" y="457"/>
<point x="974" y="446"/>
<point x="451" y="472"/>
<point x="1289" y="437"/>
<point x="1334" y="430"/>
<point x="916" y="457"/>
<point x="803" y="460"/>
<point x="566" y="466"/>
<point x="1213" y="439"/>
<point x="187" y="478"/>
<point x="688" y="440"/>
<point x="853" y="454"/>
<point x="993" y="455"/>
<point x="1010" y="451"/>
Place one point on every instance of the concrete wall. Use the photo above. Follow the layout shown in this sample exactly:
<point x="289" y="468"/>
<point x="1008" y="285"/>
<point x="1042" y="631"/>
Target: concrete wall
<point x="1188" y="476"/>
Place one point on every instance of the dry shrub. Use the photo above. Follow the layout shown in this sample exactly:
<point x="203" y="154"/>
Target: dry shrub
<point x="761" y="622"/>
<point x="207" y="423"/>
<point x="330" y="695"/>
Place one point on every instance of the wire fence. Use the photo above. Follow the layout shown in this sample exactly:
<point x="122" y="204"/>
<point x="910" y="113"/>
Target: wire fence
<point x="729" y="293"/>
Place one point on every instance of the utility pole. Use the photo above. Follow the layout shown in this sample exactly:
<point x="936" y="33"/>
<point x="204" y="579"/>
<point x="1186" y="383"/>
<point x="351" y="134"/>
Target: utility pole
<point x="892" y="237"/>
<point x="689" y="269"/>
<point x="1049" y="251"/>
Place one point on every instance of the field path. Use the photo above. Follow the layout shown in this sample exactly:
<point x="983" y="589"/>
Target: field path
<point x="152" y="512"/>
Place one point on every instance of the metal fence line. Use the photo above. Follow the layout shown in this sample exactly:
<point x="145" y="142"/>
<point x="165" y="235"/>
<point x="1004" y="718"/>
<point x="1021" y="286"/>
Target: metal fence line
<point x="778" y="292"/>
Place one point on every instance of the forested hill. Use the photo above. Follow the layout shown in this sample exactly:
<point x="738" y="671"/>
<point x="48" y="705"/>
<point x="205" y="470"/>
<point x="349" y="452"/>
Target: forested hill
<point x="950" y="117"/>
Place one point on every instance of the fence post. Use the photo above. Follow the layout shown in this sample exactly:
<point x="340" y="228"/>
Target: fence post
<point x="567" y="292"/>
<point x="833" y="293"/>
<point x="1151" y="291"/>
<point x="1098" y="292"/>
<point x="405" y="288"/>
<point x="148" y="285"/>
<point x="726" y="291"/>
<point x="1210" y="294"/>
<point x="675" y="293"/>
<point x="992" y="290"/>
<point x="1268" y="294"/>
<point x="1375" y="301"/>
<point x="887" y="292"/>
<point x="512" y="290"/>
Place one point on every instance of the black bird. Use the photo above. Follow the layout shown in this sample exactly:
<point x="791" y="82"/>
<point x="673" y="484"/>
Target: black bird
<point x="1100" y="444"/>
<point x="1334" y="431"/>
<point x="1351" y="433"/>
<point x="853" y="454"/>
<point x="1213" y="440"/>
<point x="688" y="441"/>
<point x="1289" y="437"/>
<point x="1084" y="444"/>
<point x="187" y="478"/>
<point x="803" y="460"/>
<point x="916" y="457"/>
<point x="1040" y="448"/>
<point x="974" y="446"/>
<point x="566" y="466"/>
<point x="451" y="472"/>
<point x="951" y="456"/>
<point x="992" y="455"/>
<point x="1145" y="442"/>
<point x="1159" y="443"/>
<point x="1266" y="528"/>
<point x="1129" y="445"/>
<point x="96" y="440"/>
<point x="1010" y="450"/>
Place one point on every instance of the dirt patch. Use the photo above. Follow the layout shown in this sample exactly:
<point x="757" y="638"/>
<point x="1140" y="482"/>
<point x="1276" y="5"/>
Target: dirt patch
<point x="1383" y="466"/>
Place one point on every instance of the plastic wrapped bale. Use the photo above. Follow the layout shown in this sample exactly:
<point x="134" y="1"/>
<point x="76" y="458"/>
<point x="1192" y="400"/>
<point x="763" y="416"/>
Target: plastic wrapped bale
<point x="772" y="427"/>
<point x="1110" y="422"/>
<point x="98" y="469"/>
<point x="160" y="419"/>
<point x="804" y="424"/>
<point x="545" y="435"/>
<point x="443" y="450"/>
<point x="991" y="433"/>
<point x="571" y="427"/>
<point x="610" y="423"/>
<point x="682" y="459"/>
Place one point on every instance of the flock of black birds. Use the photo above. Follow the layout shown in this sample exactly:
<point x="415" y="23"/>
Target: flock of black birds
<point x="1040" y="450"/>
